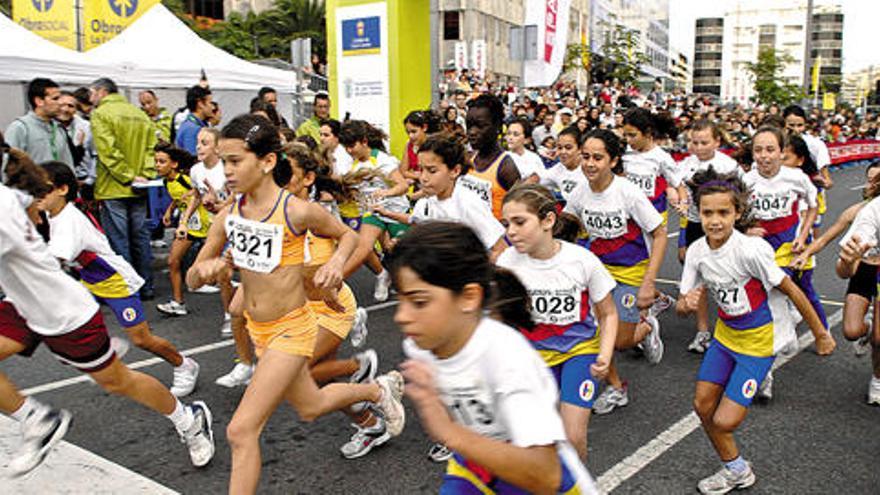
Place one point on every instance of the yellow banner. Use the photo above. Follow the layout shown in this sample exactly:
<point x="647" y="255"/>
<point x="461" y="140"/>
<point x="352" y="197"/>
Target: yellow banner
<point x="104" y="19"/>
<point x="817" y="67"/>
<point x="829" y="101"/>
<point x="51" y="19"/>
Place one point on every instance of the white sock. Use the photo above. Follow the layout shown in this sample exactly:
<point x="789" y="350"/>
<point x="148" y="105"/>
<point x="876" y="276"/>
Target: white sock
<point x="182" y="417"/>
<point x="29" y="404"/>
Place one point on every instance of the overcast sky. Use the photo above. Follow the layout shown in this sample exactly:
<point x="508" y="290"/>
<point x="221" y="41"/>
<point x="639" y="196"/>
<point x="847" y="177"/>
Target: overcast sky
<point x="860" y="25"/>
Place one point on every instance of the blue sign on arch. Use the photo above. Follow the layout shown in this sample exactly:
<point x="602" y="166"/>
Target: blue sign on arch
<point x="361" y="36"/>
<point x="42" y="5"/>
<point x="123" y="8"/>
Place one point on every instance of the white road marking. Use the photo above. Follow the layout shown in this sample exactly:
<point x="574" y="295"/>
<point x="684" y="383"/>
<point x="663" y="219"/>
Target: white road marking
<point x="648" y="453"/>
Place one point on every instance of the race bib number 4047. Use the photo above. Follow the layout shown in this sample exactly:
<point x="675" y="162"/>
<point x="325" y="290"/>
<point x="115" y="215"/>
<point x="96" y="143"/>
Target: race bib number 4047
<point x="772" y="206"/>
<point x="255" y="246"/>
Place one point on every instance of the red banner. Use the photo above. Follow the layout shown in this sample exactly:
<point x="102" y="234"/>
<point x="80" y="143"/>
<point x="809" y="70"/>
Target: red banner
<point x="550" y="12"/>
<point x="850" y="151"/>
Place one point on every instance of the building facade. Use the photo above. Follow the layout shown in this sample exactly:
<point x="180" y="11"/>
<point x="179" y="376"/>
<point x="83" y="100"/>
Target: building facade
<point x="708" y="55"/>
<point x="826" y="45"/>
<point x="680" y="71"/>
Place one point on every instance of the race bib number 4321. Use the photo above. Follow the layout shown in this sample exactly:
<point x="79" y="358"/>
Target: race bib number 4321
<point x="255" y="246"/>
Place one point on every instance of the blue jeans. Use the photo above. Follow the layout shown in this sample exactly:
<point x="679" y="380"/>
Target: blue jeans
<point x="125" y="223"/>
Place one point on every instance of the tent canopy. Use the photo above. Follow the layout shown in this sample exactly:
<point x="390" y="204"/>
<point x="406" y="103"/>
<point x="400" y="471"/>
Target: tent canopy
<point x="158" y="50"/>
<point x="25" y="55"/>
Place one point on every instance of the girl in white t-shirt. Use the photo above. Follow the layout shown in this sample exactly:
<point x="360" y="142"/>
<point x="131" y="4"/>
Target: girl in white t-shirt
<point x="742" y="276"/>
<point x="529" y="163"/>
<point x="477" y="384"/>
<point x="564" y="176"/>
<point x="571" y="303"/>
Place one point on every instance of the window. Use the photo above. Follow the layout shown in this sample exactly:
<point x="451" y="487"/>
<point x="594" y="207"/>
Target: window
<point x="452" y="25"/>
<point x="208" y="8"/>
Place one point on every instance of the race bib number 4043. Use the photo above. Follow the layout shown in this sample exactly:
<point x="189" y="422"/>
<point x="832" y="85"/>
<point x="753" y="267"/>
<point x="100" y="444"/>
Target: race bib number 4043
<point x="605" y="224"/>
<point x="255" y="246"/>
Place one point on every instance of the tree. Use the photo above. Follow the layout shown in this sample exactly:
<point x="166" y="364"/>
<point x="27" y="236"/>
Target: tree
<point x="770" y="86"/>
<point x="621" y="57"/>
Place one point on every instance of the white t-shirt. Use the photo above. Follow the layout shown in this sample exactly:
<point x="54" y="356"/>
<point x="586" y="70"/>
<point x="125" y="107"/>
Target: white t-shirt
<point x="561" y="179"/>
<point x="644" y="169"/>
<point x="720" y="162"/>
<point x="742" y="276"/>
<point x="387" y="164"/>
<point x="563" y="291"/>
<point x="342" y="161"/>
<point x="529" y="163"/>
<point x="498" y="387"/>
<point x="605" y="214"/>
<point x="465" y="207"/>
<point x="51" y="302"/>
<point x="866" y="225"/>
<point x="776" y="197"/>
<point x="201" y="176"/>
<point x="72" y="234"/>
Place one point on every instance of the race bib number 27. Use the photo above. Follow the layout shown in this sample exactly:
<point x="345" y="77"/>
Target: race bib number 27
<point x="255" y="246"/>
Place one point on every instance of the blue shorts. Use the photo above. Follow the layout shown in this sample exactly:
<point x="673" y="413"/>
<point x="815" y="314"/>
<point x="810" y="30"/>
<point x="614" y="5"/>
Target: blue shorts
<point x="576" y="383"/>
<point x="353" y="222"/>
<point x="625" y="297"/>
<point x="128" y="310"/>
<point x="740" y="375"/>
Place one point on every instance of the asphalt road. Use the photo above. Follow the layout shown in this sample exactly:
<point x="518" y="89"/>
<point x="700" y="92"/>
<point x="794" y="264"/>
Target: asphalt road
<point x="816" y="436"/>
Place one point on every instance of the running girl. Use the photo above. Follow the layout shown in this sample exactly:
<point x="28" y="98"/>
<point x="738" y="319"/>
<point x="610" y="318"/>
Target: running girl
<point x="704" y="141"/>
<point x="629" y="237"/>
<point x="742" y="276"/>
<point x="419" y="124"/>
<point x="376" y="178"/>
<point x="796" y="125"/>
<point x="571" y="304"/>
<point x="75" y="240"/>
<point x="494" y="171"/>
<point x="334" y="152"/>
<point x="477" y="384"/>
<point x="567" y="173"/>
<point x="529" y="164"/>
<point x="173" y="164"/>
<point x="266" y="228"/>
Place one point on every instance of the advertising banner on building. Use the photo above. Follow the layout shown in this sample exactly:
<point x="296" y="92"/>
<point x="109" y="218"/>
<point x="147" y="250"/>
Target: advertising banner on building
<point x="362" y="63"/>
<point x="551" y="18"/>
<point x="478" y="57"/>
<point x="103" y="19"/>
<point x="51" y="19"/>
<point x="461" y="55"/>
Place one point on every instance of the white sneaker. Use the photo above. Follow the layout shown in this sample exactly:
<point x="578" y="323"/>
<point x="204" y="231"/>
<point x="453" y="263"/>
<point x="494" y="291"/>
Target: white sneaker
<point x="383" y="286"/>
<point x="700" y="343"/>
<point x="226" y="329"/>
<point x="874" y="391"/>
<point x="185" y="377"/>
<point x="358" y="334"/>
<point x="199" y="438"/>
<point x="368" y="364"/>
<point x="366" y="439"/>
<point x="439" y="453"/>
<point x="41" y="431"/>
<point x="611" y="398"/>
<point x="120" y="346"/>
<point x="158" y="244"/>
<point x="862" y="345"/>
<point x="765" y="391"/>
<point x="205" y="289"/>
<point x="240" y="376"/>
<point x="726" y="480"/>
<point x="661" y="304"/>
<point x="173" y="308"/>
<point x="390" y="405"/>
<point x="653" y="344"/>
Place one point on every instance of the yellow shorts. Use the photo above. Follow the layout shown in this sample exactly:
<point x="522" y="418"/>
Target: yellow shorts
<point x="337" y="323"/>
<point x="294" y="333"/>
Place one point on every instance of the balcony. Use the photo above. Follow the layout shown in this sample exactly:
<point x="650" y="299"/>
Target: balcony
<point x="710" y="31"/>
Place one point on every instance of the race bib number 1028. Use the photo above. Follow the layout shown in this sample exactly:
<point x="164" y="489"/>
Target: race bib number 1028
<point x="255" y="246"/>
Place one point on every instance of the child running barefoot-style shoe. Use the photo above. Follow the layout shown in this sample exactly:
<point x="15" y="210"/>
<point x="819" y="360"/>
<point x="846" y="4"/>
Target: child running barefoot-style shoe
<point x="41" y="431"/>
<point x="199" y="438"/>
<point x="359" y="330"/>
<point x="726" y="480"/>
<point x="439" y="453"/>
<point x="700" y="343"/>
<point x="365" y="439"/>
<point x="172" y="308"/>
<point x="611" y="398"/>
<point x="240" y="376"/>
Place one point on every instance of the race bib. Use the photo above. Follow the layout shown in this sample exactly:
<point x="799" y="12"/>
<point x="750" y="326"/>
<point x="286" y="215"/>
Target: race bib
<point x="568" y="186"/>
<point x="195" y="222"/>
<point x="772" y="206"/>
<point x="605" y="224"/>
<point x="255" y="246"/>
<point x="732" y="299"/>
<point x="470" y="404"/>
<point x="647" y="183"/>
<point x="481" y="187"/>
<point x="556" y="306"/>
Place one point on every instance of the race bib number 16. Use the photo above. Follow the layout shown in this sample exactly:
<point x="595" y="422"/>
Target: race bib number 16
<point x="255" y="246"/>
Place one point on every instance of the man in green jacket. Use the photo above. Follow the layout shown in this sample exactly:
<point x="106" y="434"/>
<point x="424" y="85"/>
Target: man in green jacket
<point x="312" y="127"/>
<point x="124" y="137"/>
<point x="160" y="116"/>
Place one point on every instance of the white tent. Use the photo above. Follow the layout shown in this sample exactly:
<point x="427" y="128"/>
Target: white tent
<point x="158" y="50"/>
<point x="25" y="55"/>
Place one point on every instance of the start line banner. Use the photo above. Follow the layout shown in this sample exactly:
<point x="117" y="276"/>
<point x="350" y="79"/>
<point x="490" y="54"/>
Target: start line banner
<point x="850" y="151"/>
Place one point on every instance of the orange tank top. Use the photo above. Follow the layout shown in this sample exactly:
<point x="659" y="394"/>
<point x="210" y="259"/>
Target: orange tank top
<point x="485" y="184"/>
<point x="265" y="244"/>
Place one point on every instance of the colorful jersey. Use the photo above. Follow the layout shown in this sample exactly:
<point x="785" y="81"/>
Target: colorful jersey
<point x="262" y="245"/>
<point x="720" y="162"/>
<point x="617" y="221"/>
<point x="486" y="184"/>
<point x="561" y="179"/>
<point x="652" y="171"/>
<point x="742" y="276"/>
<point x="774" y="203"/>
<point x="498" y="387"/>
<point x="384" y="164"/>
<point x="74" y="239"/>
<point x="563" y="290"/>
<point x="179" y="189"/>
<point x="464" y="207"/>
